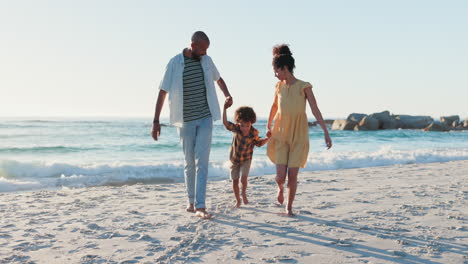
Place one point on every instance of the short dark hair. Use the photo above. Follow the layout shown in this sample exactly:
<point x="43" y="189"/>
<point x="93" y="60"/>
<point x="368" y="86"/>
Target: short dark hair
<point x="245" y="114"/>
<point x="282" y="57"/>
<point x="200" y="36"/>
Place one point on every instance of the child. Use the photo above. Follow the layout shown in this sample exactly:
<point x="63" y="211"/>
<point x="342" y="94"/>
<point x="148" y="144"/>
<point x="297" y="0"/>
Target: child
<point x="241" y="151"/>
<point x="289" y="144"/>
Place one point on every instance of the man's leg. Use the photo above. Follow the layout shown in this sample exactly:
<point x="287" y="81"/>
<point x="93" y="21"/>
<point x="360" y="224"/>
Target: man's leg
<point x="187" y="136"/>
<point x="202" y="154"/>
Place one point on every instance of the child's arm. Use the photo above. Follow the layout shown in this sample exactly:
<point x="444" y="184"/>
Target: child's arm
<point x="260" y="142"/>
<point x="225" y="121"/>
<point x="318" y="115"/>
<point x="263" y="141"/>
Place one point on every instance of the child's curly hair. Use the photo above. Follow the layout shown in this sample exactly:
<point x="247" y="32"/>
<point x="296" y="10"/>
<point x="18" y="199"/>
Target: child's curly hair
<point x="245" y="114"/>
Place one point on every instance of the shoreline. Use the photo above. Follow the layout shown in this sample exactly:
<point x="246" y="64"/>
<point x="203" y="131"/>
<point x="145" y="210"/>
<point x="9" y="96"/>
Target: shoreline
<point x="409" y="213"/>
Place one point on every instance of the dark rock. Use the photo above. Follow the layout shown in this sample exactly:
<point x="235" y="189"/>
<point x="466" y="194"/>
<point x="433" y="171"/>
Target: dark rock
<point x="414" y="122"/>
<point x="367" y="123"/>
<point x="437" y="126"/>
<point x="386" y="121"/>
<point x="348" y="124"/>
<point x="449" y="120"/>
<point x="341" y="124"/>
<point x="355" y="117"/>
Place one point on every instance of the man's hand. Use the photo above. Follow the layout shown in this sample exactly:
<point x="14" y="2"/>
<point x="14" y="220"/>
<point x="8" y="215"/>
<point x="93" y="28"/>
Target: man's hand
<point x="228" y="102"/>
<point x="156" y="131"/>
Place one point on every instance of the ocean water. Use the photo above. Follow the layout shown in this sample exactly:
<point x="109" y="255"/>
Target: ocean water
<point x="65" y="153"/>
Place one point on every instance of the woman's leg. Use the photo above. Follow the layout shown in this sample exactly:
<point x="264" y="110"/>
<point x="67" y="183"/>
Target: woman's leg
<point x="292" y="184"/>
<point x="280" y="179"/>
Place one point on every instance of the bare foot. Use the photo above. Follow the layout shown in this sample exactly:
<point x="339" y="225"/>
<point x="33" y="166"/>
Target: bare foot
<point x="290" y="212"/>
<point x="190" y="208"/>
<point x="238" y="204"/>
<point x="280" y="195"/>
<point x="202" y="213"/>
<point x="244" y="198"/>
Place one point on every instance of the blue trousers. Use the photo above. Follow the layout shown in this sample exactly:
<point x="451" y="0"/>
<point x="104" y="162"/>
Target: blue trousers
<point x="196" y="144"/>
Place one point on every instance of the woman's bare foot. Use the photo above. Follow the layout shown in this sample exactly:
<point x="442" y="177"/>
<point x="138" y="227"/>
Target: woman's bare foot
<point x="190" y="208"/>
<point x="280" y="195"/>
<point x="200" y="212"/>
<point x="244" y="198"/>
<point x="290" y="212"/>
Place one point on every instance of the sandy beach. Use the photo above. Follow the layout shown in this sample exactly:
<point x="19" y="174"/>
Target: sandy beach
<point x="412" y="213"/>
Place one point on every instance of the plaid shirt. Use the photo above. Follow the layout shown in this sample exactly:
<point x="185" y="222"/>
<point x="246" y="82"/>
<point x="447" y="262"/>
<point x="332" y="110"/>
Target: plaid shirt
<point x="242" y="146"/>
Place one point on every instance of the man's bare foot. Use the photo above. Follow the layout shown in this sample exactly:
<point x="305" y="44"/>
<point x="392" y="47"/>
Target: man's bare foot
<point x="280" y="195"/>
<point x="190" y="208"/>
<point x="244" y="198"/>
<point x="200" y="212"/>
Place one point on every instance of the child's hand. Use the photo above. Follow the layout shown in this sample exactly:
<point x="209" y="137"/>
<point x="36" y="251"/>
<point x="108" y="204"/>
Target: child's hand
<point x="268" y="134"/>
<point x="227" y="104"/>
<point x="228" y="101"/>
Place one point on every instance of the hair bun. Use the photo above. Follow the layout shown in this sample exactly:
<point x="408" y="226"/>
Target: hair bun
<point x="282" y="49"/>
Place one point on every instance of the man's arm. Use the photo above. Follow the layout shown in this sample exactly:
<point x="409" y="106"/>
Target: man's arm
<point x="223" y="87"/>
<point x="156" y="130"/>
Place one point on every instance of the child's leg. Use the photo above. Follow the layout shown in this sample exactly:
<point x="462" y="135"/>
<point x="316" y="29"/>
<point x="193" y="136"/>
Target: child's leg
<point x="244" y="189"/>
<point x="235" y="173"/>
<point x="245" y="168"/>
<point x="235" y="188"/>
<point x="280" y="179"/>
<point x="292" y="184"/>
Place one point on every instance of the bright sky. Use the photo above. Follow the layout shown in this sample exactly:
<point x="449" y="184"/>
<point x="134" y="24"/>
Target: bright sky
<point x="106" y="58"/>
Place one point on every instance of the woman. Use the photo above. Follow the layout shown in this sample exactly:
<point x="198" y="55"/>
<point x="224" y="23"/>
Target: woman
<point x="289" y="144"/>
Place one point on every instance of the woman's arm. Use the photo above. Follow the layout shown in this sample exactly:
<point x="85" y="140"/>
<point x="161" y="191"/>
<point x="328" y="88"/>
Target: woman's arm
<point x="273" y="110"/>
<point x="318" y="115"/>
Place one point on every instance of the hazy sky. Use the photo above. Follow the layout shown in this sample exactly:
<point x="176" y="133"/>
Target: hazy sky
<point x="106" y="58"/>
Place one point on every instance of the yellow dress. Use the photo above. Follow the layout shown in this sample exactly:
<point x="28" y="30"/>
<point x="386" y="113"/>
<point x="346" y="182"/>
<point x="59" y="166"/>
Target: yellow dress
<point x="289" y="143"/>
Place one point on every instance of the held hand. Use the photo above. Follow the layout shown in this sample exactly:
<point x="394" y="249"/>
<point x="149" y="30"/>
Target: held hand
<point x="328" y="141"/>
<point x="156" y="131"/>
<point x="268" y="134"/>
<point x="228" y="102"/>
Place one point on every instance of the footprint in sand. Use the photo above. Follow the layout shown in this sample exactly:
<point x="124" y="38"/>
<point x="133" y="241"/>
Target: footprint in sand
<point x="108" y="235"/>
<point x="94" y="226"/>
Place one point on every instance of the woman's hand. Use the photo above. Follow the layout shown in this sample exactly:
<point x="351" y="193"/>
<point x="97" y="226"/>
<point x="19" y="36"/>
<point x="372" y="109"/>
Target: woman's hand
<point x="328" y="141"/>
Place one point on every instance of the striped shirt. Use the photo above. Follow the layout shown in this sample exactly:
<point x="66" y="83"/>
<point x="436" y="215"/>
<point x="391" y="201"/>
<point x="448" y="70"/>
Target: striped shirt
<point x="195" y="103"/>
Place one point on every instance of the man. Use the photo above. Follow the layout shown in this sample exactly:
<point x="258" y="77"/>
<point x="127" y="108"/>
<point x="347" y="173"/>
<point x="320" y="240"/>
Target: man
<point x="193" y="104"/>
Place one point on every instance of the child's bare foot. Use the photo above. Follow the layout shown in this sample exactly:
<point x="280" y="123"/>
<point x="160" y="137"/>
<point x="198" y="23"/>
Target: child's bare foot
<point x="190" y="208"/>
<point x="238" y="203"/>
<point x="280" y="195"/>
<point x="200" y="212"/>
<point x="244" y="198"/>
<point x="290" y="212"/>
